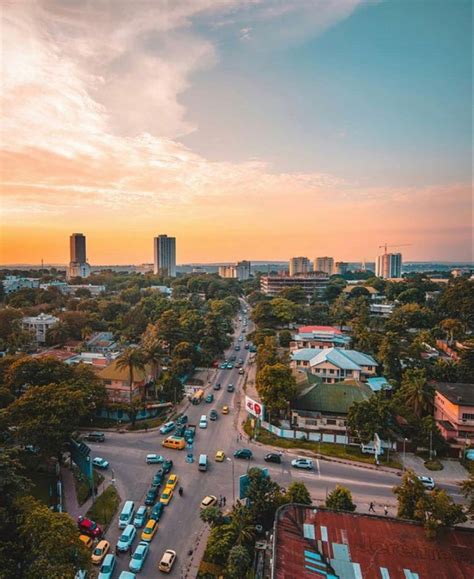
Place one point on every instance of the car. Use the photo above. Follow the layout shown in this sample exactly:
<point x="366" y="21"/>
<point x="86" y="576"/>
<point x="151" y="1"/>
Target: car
<point x="100" y="462"/>
<point x="139" y="556"/>
<point x="167" y="427"/>
<point x="150" y="530"/>
<point x="304" y="463"/>
<point x="126" y="538"/>
<point x="127" y="575"/>
<point x="233" y="358"/>
<point x="157" y="480"/>
<point x="172" y="481"/>
<point x="427" y="482"/>
<point x="243" y="453"/>
<point x="157" y="511"/>
<point x="208" y="501"/>
<point x="88" y="542"/>
<point x="220" y="456"/>
<point x="230" y="388"/>
<point x="210" y="398"/>
<point x="247" y="346"/>
<point x="101" y="550"/>
<point x="183" y="419"/>
<point x="217" y="386"/>
<point x="223" y="366"/>
<point x="95" y="437"/>
<point x="241" y="338"/>
<point x="140" y="517"/>
<point x="469" y="454"/>
<point x="151" y="494"/>
<point x="241" y="371"/>
<point x="166" y="496"/>
<point x="179" y="432"/>
<point x="108" y="567"/>
<point x="237" y="348"/>
<point x="230" y="366"/>
<point x="89" y="527"/>
<point x="167" y="466"/>
<point x="273" y="457"/>
<point x="225" y="409"/>
<point x="213" y="414"/>
<point x="167" y="561"/>
<point x="154" y="458"/>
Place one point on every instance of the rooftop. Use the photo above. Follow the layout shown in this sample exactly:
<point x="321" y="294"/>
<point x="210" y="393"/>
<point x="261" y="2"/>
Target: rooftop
<point x="457" y="393"/>
<point x="331" y="398"/>
<point x="317" y="329"/>
<point x="344" y="359"/>
<point x="112" y="372"/>
<point x="315" y="543"/>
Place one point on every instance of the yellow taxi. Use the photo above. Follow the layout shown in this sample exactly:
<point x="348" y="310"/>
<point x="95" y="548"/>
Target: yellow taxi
<point x="100" y="552"/>
<point x="172" y="481"/>
<point x="166" y="496"/>
<point x="88" y="542"/>
<point x="225" y="409"/>
<point x="220" y="456"/>
<point x="150" y="530"/>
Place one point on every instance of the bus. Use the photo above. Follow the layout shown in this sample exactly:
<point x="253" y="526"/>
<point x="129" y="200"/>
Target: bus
<point x="198" y="396"/>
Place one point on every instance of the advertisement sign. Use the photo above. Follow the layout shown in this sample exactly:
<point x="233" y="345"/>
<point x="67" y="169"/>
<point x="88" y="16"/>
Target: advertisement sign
<point x="253" y="407"/>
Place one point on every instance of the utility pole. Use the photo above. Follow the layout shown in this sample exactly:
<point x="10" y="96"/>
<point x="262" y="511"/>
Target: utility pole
<point x="431" y="444"/>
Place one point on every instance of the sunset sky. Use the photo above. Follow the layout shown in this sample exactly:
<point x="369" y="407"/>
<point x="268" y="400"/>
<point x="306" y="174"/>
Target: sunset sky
<point x="247" y="129"/>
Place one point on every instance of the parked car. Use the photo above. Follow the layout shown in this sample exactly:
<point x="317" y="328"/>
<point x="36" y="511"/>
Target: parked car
<point x="157" y="511"/>
<point x="140" y="517"/>
<point x="150" y="530"/>
<point x="230" y="366"/>
<point x="139" y="556"/>
<point x="166" y="496"/>
<point x="167" y="561"/>
<point x="208" y="501"/>
<point x="95" y="437"/>
<point x="304" y="463"/>
<point x="183" y="419"/>
<point x="210" y="398"/>
<point x="223" y="366"/>
<point x="241" y="371"/>
<point x="154" y="458"/>
<point x="230" y="388"/>
<point x="126" y="538"/>
<point x="180" y="430"/>
<point x="237" y="348"/>
<point x="101" y="550"/>
<point x="108" y="567"/>
<point x="247" y="346"/>
<point x="100" y="463"/>
<point x="167" y="427"/>
<point x="243" y="453"/>
<point x="427" y="482"/>
<point x="273" y="457"/>
<point x="213" y="414"/>
<point x="220" y="456"/>
<point x="150" y="498"/>
<point x="217" y="386"/>
<point x="87" y="541"/>
<point x="172" y="481"/>
<point x="241" y="338"/>
<point x="167" y="466"/>
<point x="157" y="479"/>
<point x="225" y="409"/>
<point x="89" y="527"/>
<point x="127" y="575"/>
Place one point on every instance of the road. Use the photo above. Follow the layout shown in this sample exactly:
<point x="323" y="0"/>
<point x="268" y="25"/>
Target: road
<point x="180" y="527"/>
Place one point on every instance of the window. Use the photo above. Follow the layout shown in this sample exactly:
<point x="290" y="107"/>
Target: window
<point x="331" y="421"/>
<point x="331" y="371"/>
<point x="468" y="416"/>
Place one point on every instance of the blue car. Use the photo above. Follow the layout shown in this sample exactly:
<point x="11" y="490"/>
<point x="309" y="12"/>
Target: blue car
<point x="127" y="538"/>
<point x="140" y="517"/>
<point x="127" y="575"/>
<point x="151" y="496"/>
<point x="223" y="366"/>
<point x="168" y="427"/>
<point x="108" y="567"/>
<point x="157" y="511"/>
<point x="138" y="558"/>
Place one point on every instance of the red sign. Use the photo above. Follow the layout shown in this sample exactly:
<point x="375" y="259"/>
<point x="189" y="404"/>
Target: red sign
<point x="253" y="407"/>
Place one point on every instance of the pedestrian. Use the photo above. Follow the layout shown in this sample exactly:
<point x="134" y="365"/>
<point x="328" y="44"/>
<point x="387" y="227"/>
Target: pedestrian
<point x="371" y="507"/>
<point x="240" y="436"/>
<point x="224" y="500"/>
<point x="117" y="551"/>
<point x="385" y="510"/>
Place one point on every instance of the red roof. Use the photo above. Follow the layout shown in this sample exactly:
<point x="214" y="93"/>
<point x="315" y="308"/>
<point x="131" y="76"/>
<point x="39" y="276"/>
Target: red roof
<point x="310" y="329"/>
<point x="58" y="354"/>
<point x="353" y="545"/>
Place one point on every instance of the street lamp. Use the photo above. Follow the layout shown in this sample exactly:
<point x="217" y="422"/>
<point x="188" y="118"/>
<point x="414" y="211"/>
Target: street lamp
<point x="233" y="480"/>
<point x="404" y="442"/>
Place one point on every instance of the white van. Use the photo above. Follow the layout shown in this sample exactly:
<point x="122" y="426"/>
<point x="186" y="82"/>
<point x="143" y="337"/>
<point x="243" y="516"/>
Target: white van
<point x="369" y="448"/>
<point x="203" y="462"/>
<point x="126" y="516"/>
<point x="203" y="421"/>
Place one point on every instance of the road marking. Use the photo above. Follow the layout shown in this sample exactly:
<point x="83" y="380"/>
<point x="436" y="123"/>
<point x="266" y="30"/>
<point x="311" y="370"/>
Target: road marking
<point x="319" y="470"/>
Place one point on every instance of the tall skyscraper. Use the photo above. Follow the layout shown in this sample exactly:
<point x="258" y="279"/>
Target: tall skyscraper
<point x="324" y="264"/>
<point x="165" y="255"/>
<point x="299" y="265"/>
<point x="78" y="266"/>
<point x="341" y="267"/>
<point x="389" y="265"/>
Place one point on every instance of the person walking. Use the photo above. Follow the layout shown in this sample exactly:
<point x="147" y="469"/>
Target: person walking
<point x="224" y="501"/>
<point x="385" y="510"/>
<point x="371" y="507"/>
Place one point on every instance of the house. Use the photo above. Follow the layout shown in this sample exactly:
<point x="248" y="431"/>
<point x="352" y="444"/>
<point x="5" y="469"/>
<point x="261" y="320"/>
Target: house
<point x="94" y="359"/>
<point x="116" y="382"/>
<point x="319" y="337"/>
<point x="378" y="383"/>
<point x="101" y="342"/>
<point x="382" y="310"/>
<point x="13" y="283"/>
<point x="39" y="325"/>
<point x="334" y="364"/>
<point x="454" y="412"/>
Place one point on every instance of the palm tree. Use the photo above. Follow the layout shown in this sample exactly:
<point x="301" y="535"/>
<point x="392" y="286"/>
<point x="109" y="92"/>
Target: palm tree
<point x="452" y="328"/>
<point x="417" y="392"/>
<point x="242" y="524"/>
<point x="153" y="353"/>
<point x="131" y="359"/>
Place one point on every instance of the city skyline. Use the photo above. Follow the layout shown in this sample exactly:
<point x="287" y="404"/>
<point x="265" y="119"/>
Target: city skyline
<point x="263" y="130"/>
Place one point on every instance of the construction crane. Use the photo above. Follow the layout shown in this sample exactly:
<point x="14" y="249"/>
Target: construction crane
<point x="385" y="245"/>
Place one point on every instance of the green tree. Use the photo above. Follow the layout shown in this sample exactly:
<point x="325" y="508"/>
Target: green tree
<point x="412" y="295"/>
<point x="417" y="394"/>
<point x="131" y="359"/>
<point x="338" y="311"/>
<point x="276" y="386"/>
<point x="409" y="492"/>
<point x="57" y="334"/>
<point x="437" y="510"/>
<point x="295" y="294"/>
<point x="371" y="416"/>
<point x="220" y="542"/>
<point x="169" y="329"/>
<point x="262" y="314"/>
<point x="453" y="329"/>
<point x="212" y="516"/>
<point x="389" y="355"/>
<point x="267" y="352"/>
<point x="284" y="311"/>
<point x="242" y="522"/>
<point x="171" y="388"/>
<point x="340" y="499"/>
<point x="467" y="489"/>
<point x="457" y="301"/>
<point x="284" y="337"/>
<point x="238" y="563"/>
<point x="265" y="496"/>
<point x="297" y="492"/>
<point x="465" y="369"/>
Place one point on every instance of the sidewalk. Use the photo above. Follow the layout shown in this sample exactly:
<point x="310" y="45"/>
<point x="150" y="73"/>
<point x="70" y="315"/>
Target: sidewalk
<point x="69" y="491"/>
<point x="453" y="470"/>
<point x="190" y="568"/>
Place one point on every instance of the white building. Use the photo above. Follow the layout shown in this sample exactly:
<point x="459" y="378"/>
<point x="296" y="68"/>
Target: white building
<point x="299" y="265"/>
<point x="324" y="264"/>
<point x="39" y="325"/>
<point x="382" y="310"/>
<point x="13" y="283"/>
<point x="240" y="271"/>
<point x="389" y="265"/>
<point x="164" y="249"/>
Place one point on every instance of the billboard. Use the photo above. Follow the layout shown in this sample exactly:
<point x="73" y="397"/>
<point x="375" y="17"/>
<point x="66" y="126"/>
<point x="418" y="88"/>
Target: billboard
<point x="253" y="407"/>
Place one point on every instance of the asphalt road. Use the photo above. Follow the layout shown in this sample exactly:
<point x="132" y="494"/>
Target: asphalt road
<point x="180" y="527"/>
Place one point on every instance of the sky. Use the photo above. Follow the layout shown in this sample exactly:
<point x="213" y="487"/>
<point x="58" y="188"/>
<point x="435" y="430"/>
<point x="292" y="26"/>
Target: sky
<point x="247" y="129"/>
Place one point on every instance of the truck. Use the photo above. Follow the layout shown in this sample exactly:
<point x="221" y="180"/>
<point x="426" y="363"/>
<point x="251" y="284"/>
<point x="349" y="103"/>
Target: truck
<point x="198" y="396"/>
<point x="190" y="433"/>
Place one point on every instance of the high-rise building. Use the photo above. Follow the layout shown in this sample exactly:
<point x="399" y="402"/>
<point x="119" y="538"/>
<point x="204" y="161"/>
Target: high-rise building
<point x="341" y="267"/>
<point x="240" y="271"/>
<point x="164" y="255"/>
<point x="324" y="264"/>
<point x="389" y="265"/>
<point x="299" y="265"/>
<point x="78" y="266"/>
